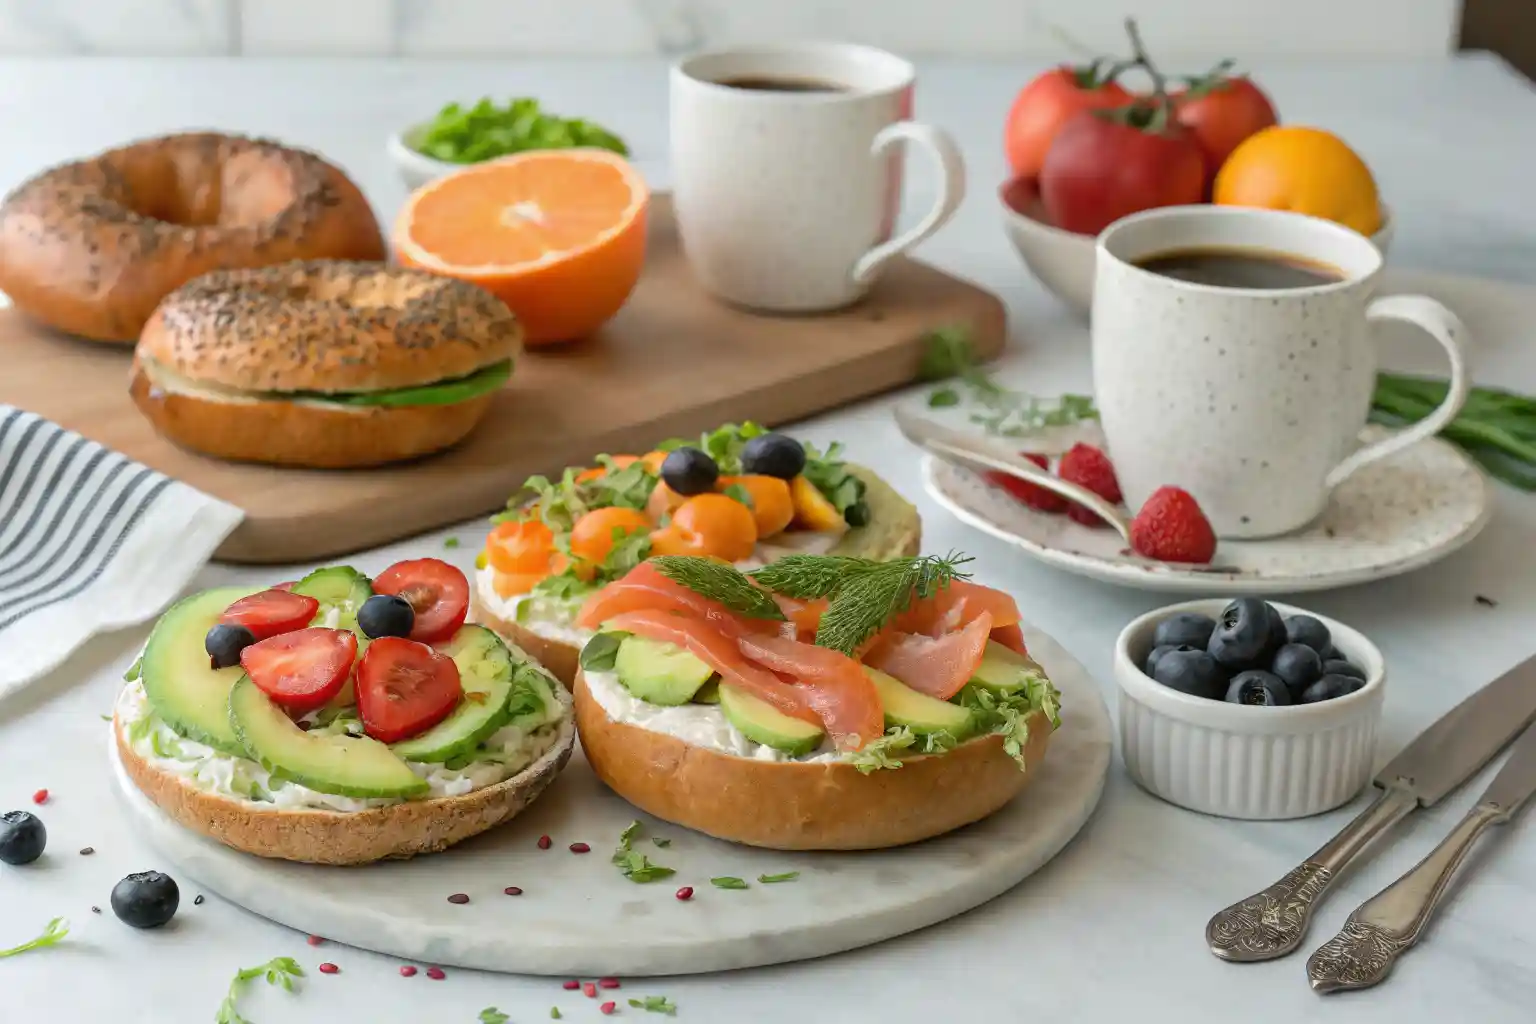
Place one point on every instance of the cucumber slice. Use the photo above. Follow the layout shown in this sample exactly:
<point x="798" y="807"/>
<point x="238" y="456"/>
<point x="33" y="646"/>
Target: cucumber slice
<point x="709" y="693"/>
<point x="486" y="672"/>
<point x="341" y="591"/>
<point x="186" y="693"/>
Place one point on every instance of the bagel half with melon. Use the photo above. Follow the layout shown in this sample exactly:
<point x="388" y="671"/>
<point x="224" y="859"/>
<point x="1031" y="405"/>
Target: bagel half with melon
<point x="818" y="703"/>
<point x="740" y="494"/>
<point x="338" y="719"/>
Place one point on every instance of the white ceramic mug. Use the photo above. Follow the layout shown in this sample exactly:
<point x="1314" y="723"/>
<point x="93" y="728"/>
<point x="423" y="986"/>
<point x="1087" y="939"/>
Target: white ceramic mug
<point x="1252" y="400"/>
<point x="786" y="201"/>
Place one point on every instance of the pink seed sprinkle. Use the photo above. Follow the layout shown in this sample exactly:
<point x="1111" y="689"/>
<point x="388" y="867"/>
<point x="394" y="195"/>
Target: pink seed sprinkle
<point x="580" y="848"/>
<point x="608" y="1008"/>
<point x="572" y="985"/>
<point x="314" y="940"/>
<point x="436" y="973"/>
<point x="607" y="982"/>
<point x="407" y="971"/>
<point x="685" y="893"/>
<point x="589" y="990"/>
<point x="545" y="842"/>
<point x="329" y="969"/>
<point x="512" y="890"/>
<point x="40" y="797"/>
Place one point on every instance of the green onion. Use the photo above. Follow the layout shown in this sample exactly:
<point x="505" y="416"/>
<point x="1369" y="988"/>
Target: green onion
<point x="1495" y="427"/>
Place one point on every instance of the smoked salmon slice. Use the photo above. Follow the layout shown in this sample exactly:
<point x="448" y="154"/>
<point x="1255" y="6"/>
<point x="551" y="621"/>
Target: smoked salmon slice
<point x="802" y="616"/>
<point x="938" y="666"/>
<point x="644" y="588"/>
<point x="1011" y="637"/>
<point x="834" y="684"/>
<point x="957" y="605"/>
<point x="720" y="653"/>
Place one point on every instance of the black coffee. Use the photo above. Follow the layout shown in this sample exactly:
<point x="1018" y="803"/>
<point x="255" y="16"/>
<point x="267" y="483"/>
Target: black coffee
<point x="1241" y="268"/>
<point x="766" y="84"/>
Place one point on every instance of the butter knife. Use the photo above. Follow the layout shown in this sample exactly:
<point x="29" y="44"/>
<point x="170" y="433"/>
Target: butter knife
<point x="1384" y="927"/>
<point x="1272" y="923"/>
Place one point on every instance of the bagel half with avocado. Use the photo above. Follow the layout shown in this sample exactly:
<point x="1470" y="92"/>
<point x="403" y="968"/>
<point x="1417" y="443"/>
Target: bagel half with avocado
<point x="833" y="725"/>
<point x="739" y="493"/>
<point x="335" y="738"/>
<point x="324" y="364"/>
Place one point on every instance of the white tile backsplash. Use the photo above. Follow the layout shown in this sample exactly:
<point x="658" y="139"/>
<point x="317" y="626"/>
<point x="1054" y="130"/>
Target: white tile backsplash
<point x="444" y="28"/>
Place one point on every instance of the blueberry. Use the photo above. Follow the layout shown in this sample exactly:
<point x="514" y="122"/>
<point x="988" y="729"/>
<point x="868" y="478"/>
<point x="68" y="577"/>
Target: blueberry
<point x="1190" y="671"/>
<point x="1258" y="687"/>
<point x="224" y="643"/>
<point x="1298" y="667"/>
<point x="1340" y="667"/>
<point x="1186" y="629"/>
<point x="147" y="899"/>
<point x="386" y="615"/>
<point x="1277" y="637"/>
<point x="1329" y="687"/>
<point x="22" y="837"/>
<point x="689" y="471"/>
<point x="773" y="455"/>
<point x="1331" y="653"/>
<point x="1152" y="659"/>
<point x="1305" y="630"/>
<point x="1242" y="635"/>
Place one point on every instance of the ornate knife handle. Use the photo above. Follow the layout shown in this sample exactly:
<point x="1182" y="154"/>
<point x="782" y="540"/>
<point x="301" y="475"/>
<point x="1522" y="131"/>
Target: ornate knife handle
<point x="1387" y="924"/>
<point x="1271" y="923"/>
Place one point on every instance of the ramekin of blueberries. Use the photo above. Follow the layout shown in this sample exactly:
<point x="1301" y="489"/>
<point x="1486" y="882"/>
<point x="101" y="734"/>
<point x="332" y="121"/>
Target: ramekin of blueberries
<point x="1248" y="709"/>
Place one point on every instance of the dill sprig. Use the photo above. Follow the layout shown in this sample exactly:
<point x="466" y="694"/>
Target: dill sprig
<point x="720" y="582"/>
<point x="871" y="595"/>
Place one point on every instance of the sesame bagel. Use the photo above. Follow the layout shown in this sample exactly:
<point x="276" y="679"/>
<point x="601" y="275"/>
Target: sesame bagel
<point x="324" y="364"/>
<point x="91" y="247"/>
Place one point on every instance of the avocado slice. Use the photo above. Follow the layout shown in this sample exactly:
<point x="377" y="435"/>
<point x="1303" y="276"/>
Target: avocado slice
<point x="1004" y="671"/>
<point x="709" y="693"/>
<point x="763" y="723"/>
<point x="443" y="392"/>
<point x="658" y="672"/>
<point x="918" y="711"/>
<point x="186" y="692"/>
<point x="485" y="672"/>
<point x="343" y="765"/>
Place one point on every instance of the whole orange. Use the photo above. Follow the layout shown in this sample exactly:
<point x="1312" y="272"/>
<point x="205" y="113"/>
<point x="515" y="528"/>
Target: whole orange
<point x="1304" y="170"/>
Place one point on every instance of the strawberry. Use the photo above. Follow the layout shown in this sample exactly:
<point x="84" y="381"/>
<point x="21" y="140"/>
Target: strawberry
<point x="1171" y="528"/>
<point x="1032" y="495"/>
<point x="1088" y="467"/>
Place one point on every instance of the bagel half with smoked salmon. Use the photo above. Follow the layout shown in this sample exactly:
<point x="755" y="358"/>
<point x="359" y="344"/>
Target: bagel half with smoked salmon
<point x="739" y="493"/>
<point x="323" y="363"/>
<point x="792" y="709"/>
<point x="92" y="246"/>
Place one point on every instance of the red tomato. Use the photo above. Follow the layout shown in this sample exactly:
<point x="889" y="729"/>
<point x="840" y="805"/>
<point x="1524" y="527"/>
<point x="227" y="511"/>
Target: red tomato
<point x="404" y="688"/>
<point x="1221" y="112"/>
<point x="1048" y="102"/>
<point x="271" y="612"/>
<point x="1103" y="167"/>
<point x="436" y="590"/>
<point x="303" y="669"/>
<point x="285" y="585"/>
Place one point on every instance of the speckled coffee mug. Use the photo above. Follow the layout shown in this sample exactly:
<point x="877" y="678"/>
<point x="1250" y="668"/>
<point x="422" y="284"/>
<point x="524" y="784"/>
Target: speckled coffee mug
<point x="1251" y="400"/>
<point x="786" y="198"/>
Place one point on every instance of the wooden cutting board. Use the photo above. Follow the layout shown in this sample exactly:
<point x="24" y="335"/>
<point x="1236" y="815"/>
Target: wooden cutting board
<point x="673" y="362"/>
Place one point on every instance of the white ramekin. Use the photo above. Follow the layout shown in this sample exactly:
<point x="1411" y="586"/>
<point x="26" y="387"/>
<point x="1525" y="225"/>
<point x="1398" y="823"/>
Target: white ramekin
<point x="1242" y="761"/>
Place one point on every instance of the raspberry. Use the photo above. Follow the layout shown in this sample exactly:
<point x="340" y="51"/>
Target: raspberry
<point x="1088" y="467"/>
<point x="1031" y="495"/>
<point x="1171" y="528"/>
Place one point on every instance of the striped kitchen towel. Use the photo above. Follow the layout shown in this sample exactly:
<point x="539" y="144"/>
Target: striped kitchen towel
<point x="90" y="541"/>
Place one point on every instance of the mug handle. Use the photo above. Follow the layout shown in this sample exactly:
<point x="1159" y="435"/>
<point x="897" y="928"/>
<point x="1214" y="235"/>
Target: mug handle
<point x="1446" y="328"/>
<point x="951" y="190"/>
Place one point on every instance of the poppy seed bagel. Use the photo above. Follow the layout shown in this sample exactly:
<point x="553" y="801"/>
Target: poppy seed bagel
<point x="90" y="247"/>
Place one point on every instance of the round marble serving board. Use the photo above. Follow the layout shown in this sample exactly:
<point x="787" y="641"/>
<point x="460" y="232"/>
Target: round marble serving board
<point x="579" y="916"/>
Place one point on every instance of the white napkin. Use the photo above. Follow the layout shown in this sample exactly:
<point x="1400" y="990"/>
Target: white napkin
<point x="90" y="541"/>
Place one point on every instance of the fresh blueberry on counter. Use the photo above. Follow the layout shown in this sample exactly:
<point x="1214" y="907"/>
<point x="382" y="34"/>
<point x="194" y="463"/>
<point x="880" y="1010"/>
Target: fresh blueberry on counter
<point x="1340" y="667"/>
<point x="1298" y="667"/>
<point x="22" y="837"/>
<point x="1309" y="632"/>
<point x="1190" y="671"/>
<point x="773" y="455"/>
<point x="386" y="615"/>
<point x="1258" y="687"/>
<point x="1186" y="629"/>
<point x="688" y="471"/>
<point x="224" y="643"/>
<point x="147" y="899"/>
<point x="1329" y="687"/>
<point x="1242" y="636"/>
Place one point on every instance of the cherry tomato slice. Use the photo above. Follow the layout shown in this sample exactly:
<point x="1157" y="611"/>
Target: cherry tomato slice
<point x="438" y="591"/>
<point x="303" y="669"/>
<point x="271" y="612"/>
<point x="285" y="585"/>
<point x="404" y="688"/>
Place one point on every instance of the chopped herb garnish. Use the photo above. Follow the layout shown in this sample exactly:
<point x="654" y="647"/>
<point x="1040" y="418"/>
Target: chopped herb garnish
<point x="491" y="1015"/>
<point x="464" y="135"/>
<point x="728" y="882"/>
<point x="659" y="841"/>
<point x="788" y="876"/>
<point x="882" y="753"/>
<point x="134" y="671"/>
<point x="278" y="971"/>
<point x="947" y="355"/>
<point x="719" y="582"/>
<point x="106" y="718"/>
<point x="739" y="493"/>
<point x="140" y="729"/>
<point x="655" y="1004"/>
<point x="450" y="542"/>
<point x="637" y="867"/>
<point x="554" y="1013"/>
<point x="53" y="933"/>
<point x="601" y="652"/>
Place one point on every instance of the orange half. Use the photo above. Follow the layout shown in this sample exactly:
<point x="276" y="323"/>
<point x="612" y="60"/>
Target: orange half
<point x="558" y="235"/>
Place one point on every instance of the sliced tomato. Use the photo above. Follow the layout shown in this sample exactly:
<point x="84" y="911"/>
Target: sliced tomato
<point x="271" y="612"/>
<point x="302" y="669"/>
<point x="843" y="697"/>
<point x="1011" y="637"/>
<point x="405" y="688"/>
<point x="436" y="590"/>
<point x="644" y="588"/>
<point x="937" y="666"/>
<point x="957" y="605"/>
<point x="720" y="653"/>
<point x="285" y="585"/>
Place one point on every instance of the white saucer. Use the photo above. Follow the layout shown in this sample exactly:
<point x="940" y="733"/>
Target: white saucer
<point x="1397" y="515"/>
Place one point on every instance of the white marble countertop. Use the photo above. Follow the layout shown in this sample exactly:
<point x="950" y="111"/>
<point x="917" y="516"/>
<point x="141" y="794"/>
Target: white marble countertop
<point x="1109" y="931"/>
